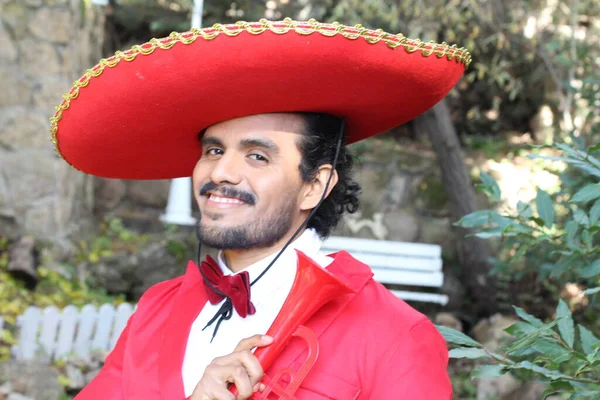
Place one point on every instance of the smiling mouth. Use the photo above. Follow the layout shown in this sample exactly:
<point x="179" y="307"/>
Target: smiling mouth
<point x="224" y="199"/>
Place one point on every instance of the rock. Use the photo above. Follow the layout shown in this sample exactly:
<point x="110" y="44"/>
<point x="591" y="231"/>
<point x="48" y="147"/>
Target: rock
<point x="47" y="94"/>
<point x="438" y="231"/>
<point x="22" y="260"/>
<point x="528" y="391"/>
<point x="397" y="191"/>
<point x="454" y="289"/>
<point x="403" y="225"/>
<point x="149" y="193"/>
<point x="449" y="320"/>
<point x="5" y="388"/>
<point x="34" y="3"/>
<point x="19" y="385"/>
<point x="373" y="182"/>
<point x="15" y="15"/>
<point x="493" y="388"/>
<point x="18" y="396"/>
<point x="8" y="51"/>
<point x="17" y="92"/>
<point x="41" y="379"/>
<point x="25" y="131"/>
<point x="490" y="332"/>
<point x="89" y="376"/>
<point x="76" y="378"/>
<point x="36" y="53"/>
<point x="9" y="227"/>
<point x="133" y="273"/>
<point x="53" y="24"/>
<point x="108" y="193"/>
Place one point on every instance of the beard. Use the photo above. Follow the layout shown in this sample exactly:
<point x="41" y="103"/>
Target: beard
<point x="263" y="231"/>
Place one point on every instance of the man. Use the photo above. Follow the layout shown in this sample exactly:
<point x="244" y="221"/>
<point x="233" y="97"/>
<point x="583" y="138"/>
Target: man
<point x="273" y="102"/>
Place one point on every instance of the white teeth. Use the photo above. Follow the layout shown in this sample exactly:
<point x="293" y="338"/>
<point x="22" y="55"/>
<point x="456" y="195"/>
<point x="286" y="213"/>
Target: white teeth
<point x="218" y="199"/>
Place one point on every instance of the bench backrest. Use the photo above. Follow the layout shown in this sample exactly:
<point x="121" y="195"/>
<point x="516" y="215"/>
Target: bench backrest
<point x="52" y="334"/>
<point x="411" y="264"/>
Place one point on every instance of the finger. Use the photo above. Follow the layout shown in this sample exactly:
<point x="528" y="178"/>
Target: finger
<point x="239" y="376"/>
<point x="254" y="341"/>
<point x="244" y="359"/>
<point x="217" y="392"/>
<point x="252" y="366"/>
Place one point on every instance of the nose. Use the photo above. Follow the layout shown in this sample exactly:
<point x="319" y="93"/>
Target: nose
<point x="226" y="170"/>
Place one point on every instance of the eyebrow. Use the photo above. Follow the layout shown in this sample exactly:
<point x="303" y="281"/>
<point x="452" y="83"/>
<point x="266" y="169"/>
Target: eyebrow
<point x="266" y="144"/>
<point x="210" y="140"/>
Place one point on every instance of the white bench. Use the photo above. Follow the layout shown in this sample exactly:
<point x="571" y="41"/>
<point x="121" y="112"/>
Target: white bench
<point x="398" y="263"/>
<point x="51" y="334"/>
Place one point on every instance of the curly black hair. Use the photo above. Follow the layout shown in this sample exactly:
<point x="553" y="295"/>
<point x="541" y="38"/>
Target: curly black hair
<point x="317" y="147"/>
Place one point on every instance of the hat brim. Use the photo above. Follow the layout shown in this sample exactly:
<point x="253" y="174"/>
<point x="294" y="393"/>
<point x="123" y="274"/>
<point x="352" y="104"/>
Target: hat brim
<point x="137" y="115"/>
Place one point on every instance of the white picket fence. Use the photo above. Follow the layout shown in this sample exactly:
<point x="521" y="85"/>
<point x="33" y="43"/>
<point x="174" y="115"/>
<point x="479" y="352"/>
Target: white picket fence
<point x="52" y="334"/>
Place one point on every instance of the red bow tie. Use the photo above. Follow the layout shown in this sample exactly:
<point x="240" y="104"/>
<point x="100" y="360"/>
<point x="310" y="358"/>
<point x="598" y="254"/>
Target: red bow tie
<point x="236" y="287"/>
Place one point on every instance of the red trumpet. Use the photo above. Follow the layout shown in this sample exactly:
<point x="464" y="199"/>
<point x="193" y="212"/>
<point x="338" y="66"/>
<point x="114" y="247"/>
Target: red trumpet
<point x="313" y="288"/>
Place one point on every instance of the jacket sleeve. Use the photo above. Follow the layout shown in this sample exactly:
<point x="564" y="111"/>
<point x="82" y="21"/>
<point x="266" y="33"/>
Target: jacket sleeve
<point x="108" y="385"/>
<point x="417" y="369"/>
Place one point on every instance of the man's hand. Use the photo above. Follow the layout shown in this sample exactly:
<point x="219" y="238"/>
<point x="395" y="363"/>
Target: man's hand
<point x="240" y="368"/>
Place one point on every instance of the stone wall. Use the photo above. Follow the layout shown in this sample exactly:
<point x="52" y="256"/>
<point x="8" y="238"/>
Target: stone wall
<point x="44" y="46"/>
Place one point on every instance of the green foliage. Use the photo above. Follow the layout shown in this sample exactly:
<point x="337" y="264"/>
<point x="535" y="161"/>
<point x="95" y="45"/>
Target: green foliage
<point x="567" y="244"/>
<point x="54" y="288"/>
<point x="112" y="237"/>
<point x="562" y="236"/>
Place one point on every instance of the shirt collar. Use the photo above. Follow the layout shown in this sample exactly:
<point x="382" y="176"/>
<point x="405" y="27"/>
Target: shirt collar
<point x="309" y="243"/>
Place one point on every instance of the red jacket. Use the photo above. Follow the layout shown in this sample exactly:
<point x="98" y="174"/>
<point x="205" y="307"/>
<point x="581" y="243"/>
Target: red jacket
<point x="372" y="345"/>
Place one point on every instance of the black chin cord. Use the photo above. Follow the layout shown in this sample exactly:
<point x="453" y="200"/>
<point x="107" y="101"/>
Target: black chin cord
<point x="225" y="312"/>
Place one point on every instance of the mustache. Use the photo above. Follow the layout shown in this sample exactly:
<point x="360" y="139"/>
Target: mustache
<point x="228" y="191"/>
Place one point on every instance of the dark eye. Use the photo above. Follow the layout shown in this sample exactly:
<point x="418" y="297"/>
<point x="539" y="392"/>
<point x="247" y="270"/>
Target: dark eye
<point x="213" y="151"/>
<point x="258" y="157"/>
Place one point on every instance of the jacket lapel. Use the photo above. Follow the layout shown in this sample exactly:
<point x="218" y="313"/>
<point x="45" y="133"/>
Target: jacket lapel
<point x="186" y="306"/>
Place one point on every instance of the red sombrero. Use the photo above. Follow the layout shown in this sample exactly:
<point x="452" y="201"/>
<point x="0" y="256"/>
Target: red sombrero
<point x="137" y="114"/>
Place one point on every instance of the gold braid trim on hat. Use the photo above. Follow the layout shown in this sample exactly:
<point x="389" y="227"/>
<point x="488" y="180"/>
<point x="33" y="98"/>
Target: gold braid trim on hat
<point x="459" y="54"/>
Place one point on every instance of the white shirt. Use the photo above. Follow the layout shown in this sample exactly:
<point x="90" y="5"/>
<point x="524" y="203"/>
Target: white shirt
<point x="267" y="295"/>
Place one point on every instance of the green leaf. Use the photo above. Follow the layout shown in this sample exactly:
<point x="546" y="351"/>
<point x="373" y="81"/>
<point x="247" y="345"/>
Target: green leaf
<point x="557" y="387"/>
<point x="587" y="339"/>
<point x="477" y="218"/>
<point x="524" y="342"/>
<point x="587" y="193"/>
<point x="591" y="270"/>
<point x="586" y="395"/>
<point x="524" y="209"/>
<point x="592" y="290"/>
<point x="488" y="371"/>
<point x="490" y="233"/>
<point x="594" y="148"/>
<point x="545" y="207"/>
<point x="571" y="228"/>
<point x="520" y="328"/>
<point x="456" y="337"/>
<point x="581" y="218"/>
<point x="540" y="370"/>
<point x="552" y="351"/>
<point x="528" y="317"/>
<point x="564" y="264"/>
<point x="468" y="352"/>
<point x="490" y="187"/>
<point x="565" y="325"/>
<point x="595" y="213"/>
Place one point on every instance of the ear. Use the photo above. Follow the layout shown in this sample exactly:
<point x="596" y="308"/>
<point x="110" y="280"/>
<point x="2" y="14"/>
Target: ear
<point x="314" y="189"/>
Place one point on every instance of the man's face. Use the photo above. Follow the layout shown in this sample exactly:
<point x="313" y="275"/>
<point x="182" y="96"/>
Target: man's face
<point x="247" y="182"/>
